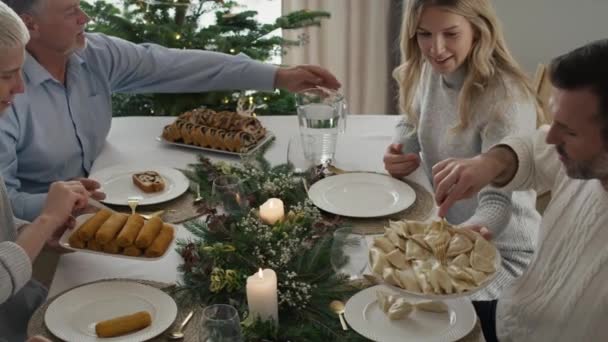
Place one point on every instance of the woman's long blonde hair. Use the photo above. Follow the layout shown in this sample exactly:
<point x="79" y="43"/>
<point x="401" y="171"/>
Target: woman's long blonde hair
<point x="489" y="61"/>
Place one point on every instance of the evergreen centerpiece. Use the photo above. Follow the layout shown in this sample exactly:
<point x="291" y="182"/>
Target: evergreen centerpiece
<point x="177" y="24"/>
<point x="228" y="249"/>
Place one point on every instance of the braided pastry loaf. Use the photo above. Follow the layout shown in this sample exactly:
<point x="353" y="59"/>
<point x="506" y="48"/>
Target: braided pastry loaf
<point x="226" y="131"/>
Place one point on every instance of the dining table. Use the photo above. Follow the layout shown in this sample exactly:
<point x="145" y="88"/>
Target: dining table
<point x="135" y="140"/>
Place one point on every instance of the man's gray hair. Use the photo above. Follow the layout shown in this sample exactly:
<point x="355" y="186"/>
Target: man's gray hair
<point x="13" y="32"/>
<point x="23" y="6"/>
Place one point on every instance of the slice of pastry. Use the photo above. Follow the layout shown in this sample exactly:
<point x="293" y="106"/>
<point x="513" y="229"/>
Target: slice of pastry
<point x="149" y="181"/>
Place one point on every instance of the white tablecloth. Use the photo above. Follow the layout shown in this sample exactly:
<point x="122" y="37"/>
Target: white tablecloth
<point x="132" y="140"/>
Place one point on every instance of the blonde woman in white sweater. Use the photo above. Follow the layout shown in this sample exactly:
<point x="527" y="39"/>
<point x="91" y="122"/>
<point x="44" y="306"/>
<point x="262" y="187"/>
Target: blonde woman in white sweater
<point x="21" y="242"/>
<point x="462" y="92"/>
<point x="563" y="295"/>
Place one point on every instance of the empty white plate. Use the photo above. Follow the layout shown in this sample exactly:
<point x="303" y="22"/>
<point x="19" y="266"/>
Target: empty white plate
<point x="362" y="194"/>
<point x="73" y="315"/>
<point x="365" y="316"/>
<point x="117" y="183"/>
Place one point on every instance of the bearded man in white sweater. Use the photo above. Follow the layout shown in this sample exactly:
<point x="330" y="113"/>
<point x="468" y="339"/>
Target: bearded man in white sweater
<point x="563" y="295"/>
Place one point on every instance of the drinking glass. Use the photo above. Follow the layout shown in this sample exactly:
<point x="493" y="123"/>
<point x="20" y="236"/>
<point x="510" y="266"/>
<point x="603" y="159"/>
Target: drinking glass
<point x="228" y="190"/>
<point x="221" y="323"/>
<point x="321" y="116"/>
<point x="349" y="253"/>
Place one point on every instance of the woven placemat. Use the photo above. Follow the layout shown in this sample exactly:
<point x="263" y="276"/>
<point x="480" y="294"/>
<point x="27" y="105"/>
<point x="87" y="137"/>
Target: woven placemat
<point x="178" y="210"/>
<point x="37" y="326"/>
<point x="419" y="211"/>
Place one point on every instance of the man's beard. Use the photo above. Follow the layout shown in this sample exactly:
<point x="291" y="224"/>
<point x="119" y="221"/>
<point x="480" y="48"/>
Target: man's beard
<point x="596" y="168"/>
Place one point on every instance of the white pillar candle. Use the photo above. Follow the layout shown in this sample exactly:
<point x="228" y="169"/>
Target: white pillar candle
<point x="262" y="295"/>
<point x="272" y="211"/>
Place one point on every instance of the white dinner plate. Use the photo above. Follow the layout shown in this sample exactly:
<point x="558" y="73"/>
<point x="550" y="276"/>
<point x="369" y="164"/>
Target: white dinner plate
<point x="65" y="243"/>
<point x="269" y="136"/>
<point x="73" y="315"/>
<point x="362" y="194"/>
<point x="365" y="316"/>
<point x="117" y="183"/>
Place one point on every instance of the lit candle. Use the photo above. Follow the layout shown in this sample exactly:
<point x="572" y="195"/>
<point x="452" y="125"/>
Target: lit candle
<point x="272" y="211"/>
<point x="262" y="295"/>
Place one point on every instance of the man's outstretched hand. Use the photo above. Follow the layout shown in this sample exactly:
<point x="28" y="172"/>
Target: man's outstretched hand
<point x="302" y="77"/>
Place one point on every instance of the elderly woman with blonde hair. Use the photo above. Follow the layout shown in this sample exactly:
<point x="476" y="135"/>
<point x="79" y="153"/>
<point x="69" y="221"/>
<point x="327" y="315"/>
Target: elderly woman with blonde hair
<point x="462" y="92"/>
<point x="20" y="241"/>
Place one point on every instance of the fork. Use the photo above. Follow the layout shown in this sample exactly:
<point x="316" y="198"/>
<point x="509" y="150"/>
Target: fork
<point x="133" y="203"/>
<point x="151" y="215"/>
<point x="99" y="205"/>
<point x="198" y="198"/>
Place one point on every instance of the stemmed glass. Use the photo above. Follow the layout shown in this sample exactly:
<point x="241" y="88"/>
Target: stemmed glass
<point x="349" y="253"/>
<point x="221" y="323"/>
<point x="296" y="156"/>
<point x="228" y="190"/>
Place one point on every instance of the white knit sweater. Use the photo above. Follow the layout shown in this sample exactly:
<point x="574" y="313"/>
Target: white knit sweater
<point x="563" y="296"/>
<point x="511" y="217"/>
<point x="19" y="296"/>
<point x="15" y="264"/>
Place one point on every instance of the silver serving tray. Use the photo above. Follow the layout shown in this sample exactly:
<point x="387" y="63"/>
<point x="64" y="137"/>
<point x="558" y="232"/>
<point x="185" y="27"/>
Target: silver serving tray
<point x="269" y="136"/>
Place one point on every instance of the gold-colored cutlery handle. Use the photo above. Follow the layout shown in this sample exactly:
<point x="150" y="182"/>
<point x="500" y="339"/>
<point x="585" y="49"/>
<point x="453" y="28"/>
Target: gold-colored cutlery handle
<point x="343" y="322"/>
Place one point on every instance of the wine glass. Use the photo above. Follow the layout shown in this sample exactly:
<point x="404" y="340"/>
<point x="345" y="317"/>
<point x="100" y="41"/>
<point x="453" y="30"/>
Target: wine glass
<point x="349" y="253"/>
<point x="296" y="156"/>
<point x="220" y="323"/>
<point x="228" y="190"/>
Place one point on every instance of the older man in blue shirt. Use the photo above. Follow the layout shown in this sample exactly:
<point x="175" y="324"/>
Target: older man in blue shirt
<point x="56" y="130"/>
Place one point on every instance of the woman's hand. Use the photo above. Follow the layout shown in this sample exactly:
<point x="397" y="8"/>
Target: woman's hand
<point x="398" y="164"/>
<point x="92" y="187"/>
<point x="63" y="199"/>
<point x="53" y="241"/>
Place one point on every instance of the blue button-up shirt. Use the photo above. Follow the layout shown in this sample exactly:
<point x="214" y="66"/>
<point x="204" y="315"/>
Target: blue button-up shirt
<point x="55" y="132"/>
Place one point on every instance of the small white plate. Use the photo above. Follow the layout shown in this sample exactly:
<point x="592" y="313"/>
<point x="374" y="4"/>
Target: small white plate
<point x="64" y="242"/>
<point x="73" y="315"/>
<point x="362" y="194"/>
<point x="365" y="316"/>
<point x="269" y="136"/>
<point x="117" y="183"/>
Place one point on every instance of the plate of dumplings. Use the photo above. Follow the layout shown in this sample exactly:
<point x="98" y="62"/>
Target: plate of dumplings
<point x="384" y="314"/>
<point x="433" y="260"/>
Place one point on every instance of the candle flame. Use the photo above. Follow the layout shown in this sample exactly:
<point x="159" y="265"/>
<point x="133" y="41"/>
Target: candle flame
<point x="260" y="274"/>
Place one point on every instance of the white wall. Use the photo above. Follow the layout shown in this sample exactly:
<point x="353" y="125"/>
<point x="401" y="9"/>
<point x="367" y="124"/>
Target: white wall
<point x="537" y="30"/>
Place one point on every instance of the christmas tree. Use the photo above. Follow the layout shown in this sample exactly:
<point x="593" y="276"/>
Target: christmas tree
<point x="177" y="24"/>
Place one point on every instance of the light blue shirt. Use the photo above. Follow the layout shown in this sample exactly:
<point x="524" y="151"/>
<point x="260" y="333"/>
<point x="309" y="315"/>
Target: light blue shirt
<point x="55" y="132"/>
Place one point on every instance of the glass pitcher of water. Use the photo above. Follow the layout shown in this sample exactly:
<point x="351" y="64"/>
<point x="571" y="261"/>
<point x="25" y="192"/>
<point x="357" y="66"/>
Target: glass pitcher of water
<point x="321" y="117"/>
